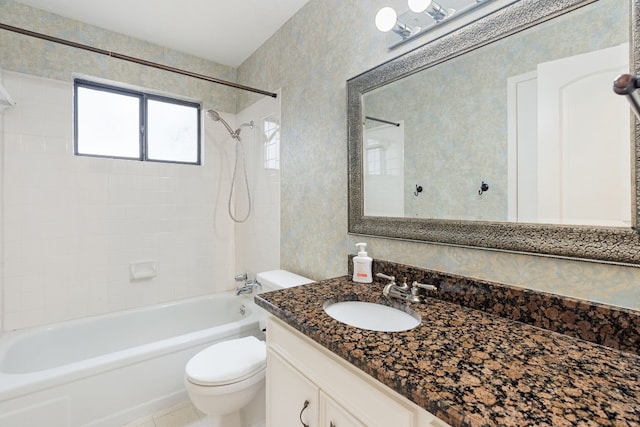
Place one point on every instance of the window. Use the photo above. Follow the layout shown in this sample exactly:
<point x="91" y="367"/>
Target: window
<point x="127" y="124"/>
<point x="271" y="131"/>
<point x="374" y="162"/>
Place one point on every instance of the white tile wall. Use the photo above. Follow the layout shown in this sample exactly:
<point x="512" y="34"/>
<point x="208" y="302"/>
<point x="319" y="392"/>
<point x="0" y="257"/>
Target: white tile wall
<point x="258" y="239"/>
<point x="73" y="224"/>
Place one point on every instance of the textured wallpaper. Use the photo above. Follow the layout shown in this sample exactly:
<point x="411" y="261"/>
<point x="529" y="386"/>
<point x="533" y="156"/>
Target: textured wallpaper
<point x="311" y="57"/>
<point x="45" y="59"/>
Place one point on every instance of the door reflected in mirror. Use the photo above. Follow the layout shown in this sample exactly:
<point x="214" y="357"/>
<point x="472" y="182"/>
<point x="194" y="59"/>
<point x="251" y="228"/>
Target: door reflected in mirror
<point x="532" y="116"/>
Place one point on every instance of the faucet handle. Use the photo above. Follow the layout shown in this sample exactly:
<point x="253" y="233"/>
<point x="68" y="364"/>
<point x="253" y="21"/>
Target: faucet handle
<point x="384" y="276"/>
<point x="416" y="285"/>
<point x="241" y="277"/>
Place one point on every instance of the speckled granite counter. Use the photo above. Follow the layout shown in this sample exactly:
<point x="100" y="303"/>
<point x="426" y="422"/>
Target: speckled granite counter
<point x="471" y="368"/>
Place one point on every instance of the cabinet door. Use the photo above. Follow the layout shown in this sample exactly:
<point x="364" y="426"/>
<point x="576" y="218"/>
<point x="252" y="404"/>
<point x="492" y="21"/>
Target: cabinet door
<point x="292" y="400"/>
<point x="334" y="415"/>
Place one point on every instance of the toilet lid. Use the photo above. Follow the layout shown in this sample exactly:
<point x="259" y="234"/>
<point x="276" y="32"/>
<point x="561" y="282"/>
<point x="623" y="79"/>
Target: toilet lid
<point x="227" y="362"/>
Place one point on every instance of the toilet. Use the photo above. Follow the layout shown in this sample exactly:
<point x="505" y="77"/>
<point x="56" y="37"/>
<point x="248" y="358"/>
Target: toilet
<point x="226" y="380"/>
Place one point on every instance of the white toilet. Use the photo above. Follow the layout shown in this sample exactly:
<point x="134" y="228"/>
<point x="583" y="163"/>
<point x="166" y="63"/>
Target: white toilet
<point x="226" y="380"/>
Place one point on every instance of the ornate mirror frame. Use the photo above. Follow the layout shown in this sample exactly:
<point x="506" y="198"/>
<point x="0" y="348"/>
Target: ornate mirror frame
<point x="602" y="244"/>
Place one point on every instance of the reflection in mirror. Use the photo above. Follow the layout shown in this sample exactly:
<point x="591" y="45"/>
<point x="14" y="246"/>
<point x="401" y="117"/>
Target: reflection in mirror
<point x="482" y="115"/>
<point x="531" y="115"/>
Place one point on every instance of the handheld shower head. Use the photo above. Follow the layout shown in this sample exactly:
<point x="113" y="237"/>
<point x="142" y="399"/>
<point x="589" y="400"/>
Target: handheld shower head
<point x="235" y="134"/>
<point x="216" y="117"/>
<point x="213" y="115"/>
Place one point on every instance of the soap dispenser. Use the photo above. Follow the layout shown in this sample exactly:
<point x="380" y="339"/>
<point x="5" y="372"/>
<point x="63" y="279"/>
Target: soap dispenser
<point x="362" y="265"/>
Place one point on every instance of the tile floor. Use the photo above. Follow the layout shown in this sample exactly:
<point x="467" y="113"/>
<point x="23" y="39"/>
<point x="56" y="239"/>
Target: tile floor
<point x="181" y="415"/>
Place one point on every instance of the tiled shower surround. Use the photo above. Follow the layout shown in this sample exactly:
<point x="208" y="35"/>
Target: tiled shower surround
<point x="603" y="324"/>
<point x="73" y="224"/>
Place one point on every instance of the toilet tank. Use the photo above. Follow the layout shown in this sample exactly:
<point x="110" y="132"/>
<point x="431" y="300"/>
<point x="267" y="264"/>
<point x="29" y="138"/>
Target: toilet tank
<point x="280" y="279"/>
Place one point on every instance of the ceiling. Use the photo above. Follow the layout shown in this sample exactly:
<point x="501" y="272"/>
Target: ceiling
<point x="223" y="31"/>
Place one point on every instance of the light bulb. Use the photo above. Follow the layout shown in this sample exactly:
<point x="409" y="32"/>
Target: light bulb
<point x="419" y="6"/>
<point x="386" y="19"/>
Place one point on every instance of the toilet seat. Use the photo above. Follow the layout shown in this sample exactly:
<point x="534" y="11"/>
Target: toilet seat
<point x="227" y="362"/>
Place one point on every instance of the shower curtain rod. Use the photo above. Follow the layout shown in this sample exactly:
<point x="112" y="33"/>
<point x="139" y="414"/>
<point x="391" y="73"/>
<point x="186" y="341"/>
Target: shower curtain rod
<point x="133" y="59"/>
<point x="381" y="121"/>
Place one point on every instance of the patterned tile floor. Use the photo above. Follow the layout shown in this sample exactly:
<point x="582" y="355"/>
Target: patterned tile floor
<point x="180" y="415"/>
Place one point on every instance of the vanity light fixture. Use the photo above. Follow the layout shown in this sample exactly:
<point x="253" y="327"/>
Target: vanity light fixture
<point x="430" y="7"/>
<point x="425" y="15"/>
<point x="387" y="20"/>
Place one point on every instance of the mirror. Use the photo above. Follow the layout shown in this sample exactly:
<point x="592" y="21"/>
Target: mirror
<point x="462" y="142"/>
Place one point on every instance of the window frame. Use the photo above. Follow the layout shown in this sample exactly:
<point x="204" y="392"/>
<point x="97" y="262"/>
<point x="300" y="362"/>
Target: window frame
<point x="143" y="98"/>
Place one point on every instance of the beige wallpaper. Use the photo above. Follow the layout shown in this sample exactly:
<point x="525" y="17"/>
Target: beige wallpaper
<point x="44" y="59"/>
<point x="311" y="57"/>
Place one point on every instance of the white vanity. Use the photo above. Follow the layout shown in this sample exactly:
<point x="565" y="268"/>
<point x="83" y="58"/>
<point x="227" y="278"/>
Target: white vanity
<point x="299" y="370"/>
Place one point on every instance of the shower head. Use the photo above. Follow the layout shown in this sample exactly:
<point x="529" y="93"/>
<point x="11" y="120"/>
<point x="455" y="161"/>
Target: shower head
<point x="216" y="117"/>
<point x="213" y="115"/>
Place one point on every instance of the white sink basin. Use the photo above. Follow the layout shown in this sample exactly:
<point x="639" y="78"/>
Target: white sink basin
<point x="374" y="317"/>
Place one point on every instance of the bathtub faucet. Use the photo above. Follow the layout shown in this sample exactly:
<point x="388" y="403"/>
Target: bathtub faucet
<point x="248" y="286"/>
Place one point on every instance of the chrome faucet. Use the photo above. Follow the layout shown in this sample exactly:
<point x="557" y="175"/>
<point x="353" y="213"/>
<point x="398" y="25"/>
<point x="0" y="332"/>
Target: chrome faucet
<point x="403" y="291"/>
<point x="248" y="286"/>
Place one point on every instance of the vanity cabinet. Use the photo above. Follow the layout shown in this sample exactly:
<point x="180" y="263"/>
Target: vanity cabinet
<point x="307" y="385"/>
<point x="334" y="415"/>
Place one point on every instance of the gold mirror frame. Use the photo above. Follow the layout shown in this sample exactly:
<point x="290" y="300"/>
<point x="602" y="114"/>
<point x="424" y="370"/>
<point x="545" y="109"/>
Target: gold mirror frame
<point x="602" y="244"/>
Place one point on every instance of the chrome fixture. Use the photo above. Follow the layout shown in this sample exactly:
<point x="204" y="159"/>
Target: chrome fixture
<point x="387" y="20"/>
<point x="403" y="291"/>
<point x="384" y="276"/>
<point x="627" y="85"/>
<point x="248" y="286"/>
<point x="235" y="134"/>
<point x="425" y="15"/>
<point x="430" y="7"/>
<point x="415" y="287"/>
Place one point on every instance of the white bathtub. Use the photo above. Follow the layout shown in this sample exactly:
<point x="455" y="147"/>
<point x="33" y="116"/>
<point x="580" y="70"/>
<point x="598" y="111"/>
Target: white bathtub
<point x="111" y="369"/>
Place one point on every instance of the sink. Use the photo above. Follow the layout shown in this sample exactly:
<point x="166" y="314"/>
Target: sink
<point x="371" y="316"/>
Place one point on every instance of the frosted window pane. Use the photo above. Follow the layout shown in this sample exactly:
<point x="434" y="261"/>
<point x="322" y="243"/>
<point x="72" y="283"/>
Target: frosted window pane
<point x="172" y="132"/>
<point x="108" y="123"/>
<point x="271" y="132"/>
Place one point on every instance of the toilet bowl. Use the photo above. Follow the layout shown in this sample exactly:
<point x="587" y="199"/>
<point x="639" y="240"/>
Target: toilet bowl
<point x="226" y="380"/>
<point x="225" y="377"/>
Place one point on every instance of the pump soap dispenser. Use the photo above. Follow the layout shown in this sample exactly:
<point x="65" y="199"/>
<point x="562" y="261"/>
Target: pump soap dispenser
<point x="362" y="265"/>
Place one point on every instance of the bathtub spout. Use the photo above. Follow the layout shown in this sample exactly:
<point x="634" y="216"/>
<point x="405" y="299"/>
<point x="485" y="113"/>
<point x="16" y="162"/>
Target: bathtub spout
<point x="248" y="287"/>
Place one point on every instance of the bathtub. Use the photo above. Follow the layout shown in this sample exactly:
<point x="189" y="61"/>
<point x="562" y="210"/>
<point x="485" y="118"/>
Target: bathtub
<point x="111" y="369"/>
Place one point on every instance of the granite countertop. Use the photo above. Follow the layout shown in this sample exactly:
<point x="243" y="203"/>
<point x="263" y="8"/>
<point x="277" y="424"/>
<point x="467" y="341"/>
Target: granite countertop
<point x="471" y="368"/>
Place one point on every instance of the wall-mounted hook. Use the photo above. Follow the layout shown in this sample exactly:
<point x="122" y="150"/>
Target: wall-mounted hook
<point x="483" y="187"/>
<point x="418" y="190"/>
